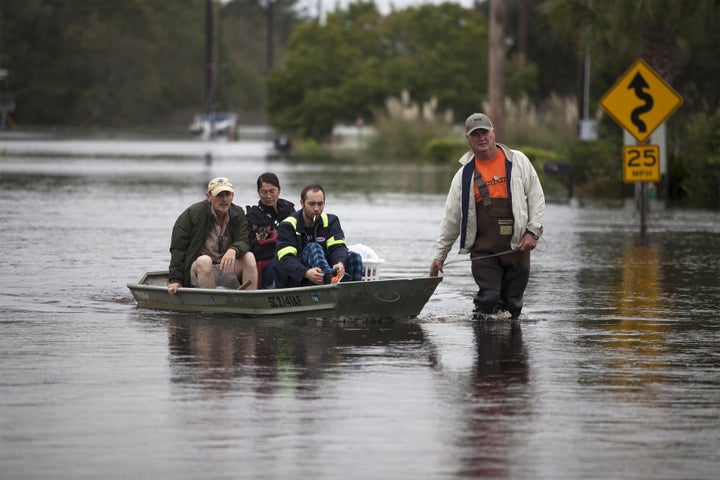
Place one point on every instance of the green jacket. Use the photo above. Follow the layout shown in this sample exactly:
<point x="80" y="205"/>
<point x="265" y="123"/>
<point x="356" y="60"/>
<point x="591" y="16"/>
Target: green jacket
<point x="190" y="233"/>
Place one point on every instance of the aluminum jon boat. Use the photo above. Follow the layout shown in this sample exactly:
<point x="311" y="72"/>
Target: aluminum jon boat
<point x="374" y="299"/>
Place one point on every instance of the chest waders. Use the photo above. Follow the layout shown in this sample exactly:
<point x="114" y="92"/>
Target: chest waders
<point x="501" y="280"/>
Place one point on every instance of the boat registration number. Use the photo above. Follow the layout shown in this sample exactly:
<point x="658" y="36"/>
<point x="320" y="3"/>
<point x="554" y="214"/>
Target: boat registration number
<point x="280" y="301"/>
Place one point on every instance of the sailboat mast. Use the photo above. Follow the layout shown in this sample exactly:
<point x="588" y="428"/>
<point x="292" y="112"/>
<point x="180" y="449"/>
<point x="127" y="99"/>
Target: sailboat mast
<point x="208" y="56"/>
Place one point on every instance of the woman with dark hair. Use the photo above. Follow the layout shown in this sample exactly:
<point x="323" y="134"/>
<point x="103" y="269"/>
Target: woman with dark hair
<point x="263" y="220"/>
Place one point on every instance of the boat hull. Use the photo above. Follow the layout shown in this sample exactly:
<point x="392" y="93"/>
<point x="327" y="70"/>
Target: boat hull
<point x="377" y="299"/>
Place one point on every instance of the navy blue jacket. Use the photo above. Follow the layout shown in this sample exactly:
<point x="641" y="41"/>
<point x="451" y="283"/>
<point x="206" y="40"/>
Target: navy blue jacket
<point x="293" y="236"/>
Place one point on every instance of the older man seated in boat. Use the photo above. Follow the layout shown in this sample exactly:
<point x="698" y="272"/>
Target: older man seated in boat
<point x="209" y="246"/>
<point x="311" y="246"/>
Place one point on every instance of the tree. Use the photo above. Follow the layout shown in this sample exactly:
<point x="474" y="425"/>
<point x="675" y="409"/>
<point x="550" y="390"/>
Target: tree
<point x="347" y="68"/>
<point x="133" y="62"/>
<point x="99" y="63"/>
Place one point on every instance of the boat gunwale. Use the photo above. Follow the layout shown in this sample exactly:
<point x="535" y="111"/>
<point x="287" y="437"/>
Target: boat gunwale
<point x="139" y="284"/>
<point x="151" y="300"/>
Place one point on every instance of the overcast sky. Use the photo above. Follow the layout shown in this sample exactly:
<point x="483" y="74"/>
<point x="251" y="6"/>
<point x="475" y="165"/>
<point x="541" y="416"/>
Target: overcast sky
<point x="383" y="5"/>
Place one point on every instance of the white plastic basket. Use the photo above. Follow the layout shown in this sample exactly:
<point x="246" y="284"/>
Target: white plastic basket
<point x="370" y="261"/>
<point x="371" y="269"/>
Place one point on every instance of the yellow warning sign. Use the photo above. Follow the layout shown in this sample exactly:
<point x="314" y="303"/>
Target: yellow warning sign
<point x="640" y="101"/>
<point x="641" y="163"/>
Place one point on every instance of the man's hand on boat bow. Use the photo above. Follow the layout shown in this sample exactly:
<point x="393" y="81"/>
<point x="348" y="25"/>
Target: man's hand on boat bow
<point x="436" y="267"/>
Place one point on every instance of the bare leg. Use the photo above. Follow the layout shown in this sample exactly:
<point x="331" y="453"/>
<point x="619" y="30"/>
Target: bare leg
<point x="203" y="268"/>
<point x="246" y="269"/>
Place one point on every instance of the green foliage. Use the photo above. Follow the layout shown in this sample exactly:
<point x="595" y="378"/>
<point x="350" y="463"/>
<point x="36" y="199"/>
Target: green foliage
<point x="345" y="69"/>
<point x="401" y="140"/>
<point x="550" y="124"/>
<point x="140" y="62"/>
<point x="404" y="129"/>
<point x="131" y="62"/>
<point x="596" y="169"/>
<point x="539" y="156"/>
<point x="310" y="145"/>
<point x="315" y="88"/>
<point x="695" y="178"/>
<point x="521" y="81"/>
<point x="555" y="188"/>
<point x="96" y="63"/>
<point x="444" y="150"/>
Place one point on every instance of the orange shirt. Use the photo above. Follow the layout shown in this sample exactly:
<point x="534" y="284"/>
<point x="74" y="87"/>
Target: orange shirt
<point x="494" y="174"/>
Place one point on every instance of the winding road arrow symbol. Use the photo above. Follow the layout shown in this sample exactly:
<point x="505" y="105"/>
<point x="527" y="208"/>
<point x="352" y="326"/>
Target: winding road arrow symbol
<point x="640" y="101"/>
<point x="638" y="83"/>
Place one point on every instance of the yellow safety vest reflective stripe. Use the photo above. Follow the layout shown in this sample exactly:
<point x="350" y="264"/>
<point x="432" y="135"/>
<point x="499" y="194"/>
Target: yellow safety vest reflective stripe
<point x="331" y="241"/>
<point x="290" y="250"/>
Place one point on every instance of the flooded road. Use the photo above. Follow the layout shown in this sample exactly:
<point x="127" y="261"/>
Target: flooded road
<point x="614" y="371"/>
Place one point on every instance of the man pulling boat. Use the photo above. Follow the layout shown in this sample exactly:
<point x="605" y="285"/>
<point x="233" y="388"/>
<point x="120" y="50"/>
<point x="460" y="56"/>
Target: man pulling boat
<point x="496" y="206"/>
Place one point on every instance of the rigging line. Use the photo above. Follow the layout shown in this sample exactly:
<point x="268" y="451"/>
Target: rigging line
<point x="473" y="258"/>
<point x="506" y="252"/>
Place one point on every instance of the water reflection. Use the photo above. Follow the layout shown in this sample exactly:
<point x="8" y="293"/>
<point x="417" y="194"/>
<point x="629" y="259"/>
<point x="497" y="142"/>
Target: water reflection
<point x="635" y="342"/>
<point x="640" y="296"/>
<point x="498" y="395"/>
<point x="640" y="306"/>
<point x="672" y="273"/>
<point x="502" y="359"/>
<point x="223" y="354"/>
<point x="613" y="375"/>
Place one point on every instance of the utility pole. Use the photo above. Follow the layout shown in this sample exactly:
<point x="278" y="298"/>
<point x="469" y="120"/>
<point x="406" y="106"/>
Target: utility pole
<point x="268" y="6"/>
<point x="496" y="70"/>
<point x="522" y="32"/>
<point x="208" y="56"/>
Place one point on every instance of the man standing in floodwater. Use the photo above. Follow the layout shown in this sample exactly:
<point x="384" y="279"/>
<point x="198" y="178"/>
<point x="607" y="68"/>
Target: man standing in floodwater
<point x="496" y="206"/>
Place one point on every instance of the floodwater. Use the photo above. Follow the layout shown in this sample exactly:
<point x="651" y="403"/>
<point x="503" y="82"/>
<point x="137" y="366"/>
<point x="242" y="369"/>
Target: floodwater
<point x="613" y="372"/>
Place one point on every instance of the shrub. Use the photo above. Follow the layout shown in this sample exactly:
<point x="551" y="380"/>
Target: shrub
<point x="405" y="128"/>
<point x="596" y="169"/>
<point x="694" y="174"/>
<point x="444" y="150"/>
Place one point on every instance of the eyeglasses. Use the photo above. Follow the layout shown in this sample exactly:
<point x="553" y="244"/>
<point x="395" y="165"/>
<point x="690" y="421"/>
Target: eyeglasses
<point x="313" y="204"/>
<point x="268" y="193"/>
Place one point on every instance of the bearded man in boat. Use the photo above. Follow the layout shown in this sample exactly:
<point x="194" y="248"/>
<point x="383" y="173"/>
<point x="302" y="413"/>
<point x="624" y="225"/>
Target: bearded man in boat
<point x="311" y="247"/>
<point x="209" y="247"/>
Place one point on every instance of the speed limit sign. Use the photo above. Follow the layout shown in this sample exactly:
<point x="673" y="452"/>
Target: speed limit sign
<point x="641" y="163"/>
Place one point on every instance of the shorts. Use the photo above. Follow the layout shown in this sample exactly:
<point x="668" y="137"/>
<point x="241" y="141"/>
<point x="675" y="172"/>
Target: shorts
<point x="222" y="279"/>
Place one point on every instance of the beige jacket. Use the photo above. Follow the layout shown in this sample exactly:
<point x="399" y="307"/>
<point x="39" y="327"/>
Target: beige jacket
<point x="526" y="193"/>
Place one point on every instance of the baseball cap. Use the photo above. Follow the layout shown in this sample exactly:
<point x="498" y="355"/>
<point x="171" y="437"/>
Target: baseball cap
<point x="477" y="120"/>
<point x="220" y="184"/>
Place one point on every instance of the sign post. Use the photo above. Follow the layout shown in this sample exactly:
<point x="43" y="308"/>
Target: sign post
<point x="640" y="101"/>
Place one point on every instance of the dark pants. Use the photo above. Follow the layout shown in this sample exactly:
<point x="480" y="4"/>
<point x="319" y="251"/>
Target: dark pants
<point x="266" y="272"/>
<point x="313" y="255"/>
<point x="501" y="281"/>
